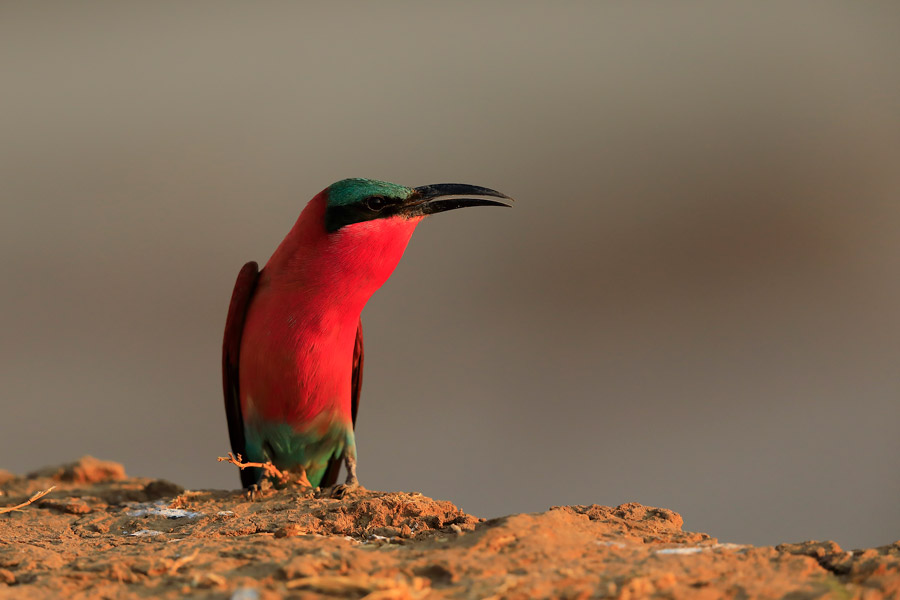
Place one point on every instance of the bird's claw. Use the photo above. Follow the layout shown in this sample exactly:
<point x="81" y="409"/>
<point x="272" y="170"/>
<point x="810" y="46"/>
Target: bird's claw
<point x="340" y="491"/>
<point x="253" y="492"/>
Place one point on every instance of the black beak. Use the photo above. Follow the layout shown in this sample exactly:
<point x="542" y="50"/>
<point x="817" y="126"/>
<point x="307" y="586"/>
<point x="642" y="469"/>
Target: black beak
<point x="430" y="199"/>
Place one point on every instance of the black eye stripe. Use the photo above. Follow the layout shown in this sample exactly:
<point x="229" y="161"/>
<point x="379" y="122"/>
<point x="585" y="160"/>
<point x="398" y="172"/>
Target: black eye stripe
<point x="373" y="207"/>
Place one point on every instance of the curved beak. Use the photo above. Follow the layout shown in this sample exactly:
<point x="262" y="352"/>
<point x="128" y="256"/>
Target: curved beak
<point x="439" y="197"/>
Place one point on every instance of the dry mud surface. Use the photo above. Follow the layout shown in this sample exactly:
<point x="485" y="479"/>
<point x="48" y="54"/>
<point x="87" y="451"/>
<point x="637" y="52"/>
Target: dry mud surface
<point x="100" y="534"/>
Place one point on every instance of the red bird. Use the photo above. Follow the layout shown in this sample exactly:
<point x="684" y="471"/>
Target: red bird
<point x="292" y="357"/>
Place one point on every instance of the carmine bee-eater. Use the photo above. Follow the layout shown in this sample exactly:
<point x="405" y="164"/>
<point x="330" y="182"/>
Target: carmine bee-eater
<point x="292" y="358"/>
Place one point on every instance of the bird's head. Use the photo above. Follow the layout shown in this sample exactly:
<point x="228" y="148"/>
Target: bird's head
<point x="352" y="201"/>
<point x="367" y="225"/>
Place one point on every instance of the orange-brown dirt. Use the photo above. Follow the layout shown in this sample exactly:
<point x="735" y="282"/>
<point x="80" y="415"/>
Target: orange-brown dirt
<point x="100" y="534"/>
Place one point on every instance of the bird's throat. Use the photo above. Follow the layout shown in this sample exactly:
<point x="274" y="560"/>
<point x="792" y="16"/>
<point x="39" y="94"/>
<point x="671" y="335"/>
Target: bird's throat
<point x="341" y="270"/>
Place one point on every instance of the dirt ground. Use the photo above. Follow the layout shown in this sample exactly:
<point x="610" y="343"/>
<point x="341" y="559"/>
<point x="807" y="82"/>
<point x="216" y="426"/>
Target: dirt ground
<point x="100" y="534"/>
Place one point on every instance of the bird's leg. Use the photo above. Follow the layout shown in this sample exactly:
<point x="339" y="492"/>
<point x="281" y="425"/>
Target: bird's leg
<point x="352" y="481"/>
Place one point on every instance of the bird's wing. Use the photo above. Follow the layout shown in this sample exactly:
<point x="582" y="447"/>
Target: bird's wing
<point x="334" y="465"/>
<point x="356" y="378"/>
<point x="231" y="348"/>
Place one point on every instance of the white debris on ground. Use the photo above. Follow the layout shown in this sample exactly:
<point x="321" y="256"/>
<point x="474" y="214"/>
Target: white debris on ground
<point x="145" y="533"/>
<point x="245" y="593"/>
<point x="698" y="549"/>
<point x="160" y="508"/>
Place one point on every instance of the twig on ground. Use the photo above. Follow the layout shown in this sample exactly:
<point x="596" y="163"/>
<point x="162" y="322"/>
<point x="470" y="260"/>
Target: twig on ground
<point x="181" y="561"/>
<point x="36" y="496"/>
<point x="269" y="469"/>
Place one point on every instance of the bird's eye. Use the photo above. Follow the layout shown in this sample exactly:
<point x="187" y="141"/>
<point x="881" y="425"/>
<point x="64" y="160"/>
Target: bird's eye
<point x="375" y="203"/>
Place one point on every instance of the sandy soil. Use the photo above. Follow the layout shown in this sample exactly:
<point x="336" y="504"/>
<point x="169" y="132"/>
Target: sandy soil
<point x="100" y="534"/>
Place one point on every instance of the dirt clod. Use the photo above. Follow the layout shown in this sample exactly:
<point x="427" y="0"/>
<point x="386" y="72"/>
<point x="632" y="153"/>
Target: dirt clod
<point x="74" y="506"/>
<point x="87" y="469"/>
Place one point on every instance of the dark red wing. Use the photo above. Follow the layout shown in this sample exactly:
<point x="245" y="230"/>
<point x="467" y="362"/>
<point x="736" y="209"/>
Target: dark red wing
<point x="334" y="465"/>
<point x="356" y="379"/>
<point x="231" y="349"/>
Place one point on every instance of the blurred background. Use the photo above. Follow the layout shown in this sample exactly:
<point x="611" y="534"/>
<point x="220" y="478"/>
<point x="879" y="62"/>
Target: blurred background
<point x="694" y="304"/>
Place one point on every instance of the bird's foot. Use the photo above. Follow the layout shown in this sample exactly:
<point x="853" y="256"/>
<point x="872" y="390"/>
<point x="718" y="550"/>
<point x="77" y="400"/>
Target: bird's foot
<point x="341" y="490"/>
<point x="253" y="492"/>
<point x="352" y="482"/>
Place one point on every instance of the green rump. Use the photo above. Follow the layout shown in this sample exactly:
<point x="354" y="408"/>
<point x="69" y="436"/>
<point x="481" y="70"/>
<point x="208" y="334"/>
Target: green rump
<point x="351" y="191"/>
<point x="289" y="449"/>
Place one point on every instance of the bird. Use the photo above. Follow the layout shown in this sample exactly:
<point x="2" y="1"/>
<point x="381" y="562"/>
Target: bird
<point x="292" y="354"/>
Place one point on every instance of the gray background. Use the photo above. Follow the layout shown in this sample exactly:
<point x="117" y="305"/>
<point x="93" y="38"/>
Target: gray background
<point x="694" y="304"/>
